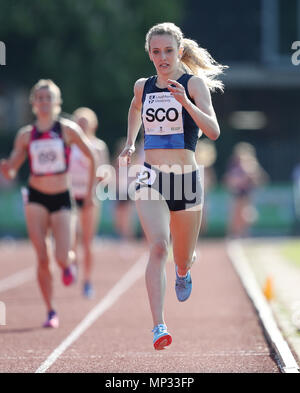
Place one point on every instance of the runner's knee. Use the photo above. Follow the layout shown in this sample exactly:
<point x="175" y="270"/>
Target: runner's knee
<point x="43" y="265"/>
<point x="42" y="254"/>
<point x="159" y="249"/>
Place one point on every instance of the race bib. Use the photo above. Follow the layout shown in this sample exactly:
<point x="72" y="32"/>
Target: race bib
<point x="147" y="176"/>
<point x="162" y="114"/>
<point x="47" y="156"/>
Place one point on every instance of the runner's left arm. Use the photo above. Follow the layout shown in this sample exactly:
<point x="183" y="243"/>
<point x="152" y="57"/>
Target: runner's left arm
<point x="202" y="112"/>
<point x="74" y="134"/>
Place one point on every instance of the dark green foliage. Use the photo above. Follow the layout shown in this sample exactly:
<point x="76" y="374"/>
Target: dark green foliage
<point x="93" y="50"/>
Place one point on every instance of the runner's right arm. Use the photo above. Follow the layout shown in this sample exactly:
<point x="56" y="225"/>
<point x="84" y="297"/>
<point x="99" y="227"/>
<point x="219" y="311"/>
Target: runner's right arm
<point x="134" y="120"/>
<point x="9" y="167"/>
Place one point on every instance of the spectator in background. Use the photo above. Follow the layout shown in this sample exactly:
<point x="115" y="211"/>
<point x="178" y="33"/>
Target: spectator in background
<point x="87" y="217"/>
<point x="47" y="198"/>
<point x="206" y="156"/>
<point x="243" y="175"/>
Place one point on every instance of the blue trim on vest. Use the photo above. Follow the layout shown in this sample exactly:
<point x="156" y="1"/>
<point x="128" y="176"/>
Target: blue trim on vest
<point x="175" y="141"/>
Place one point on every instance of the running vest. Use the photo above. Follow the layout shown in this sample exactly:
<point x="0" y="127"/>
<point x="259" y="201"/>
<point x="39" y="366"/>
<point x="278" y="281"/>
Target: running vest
<point x="167" y="125"/>
<point x="47" y="152"/>
<point x="79" y="171"/>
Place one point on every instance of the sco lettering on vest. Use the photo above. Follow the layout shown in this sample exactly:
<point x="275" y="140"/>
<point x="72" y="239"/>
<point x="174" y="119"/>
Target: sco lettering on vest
<point x="162" y="114"/>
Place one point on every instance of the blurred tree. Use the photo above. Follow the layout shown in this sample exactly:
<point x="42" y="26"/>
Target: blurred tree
<point x="93" y="49"/>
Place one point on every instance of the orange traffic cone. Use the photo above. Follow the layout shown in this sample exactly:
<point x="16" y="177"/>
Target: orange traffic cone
<point x="268" y="289"/>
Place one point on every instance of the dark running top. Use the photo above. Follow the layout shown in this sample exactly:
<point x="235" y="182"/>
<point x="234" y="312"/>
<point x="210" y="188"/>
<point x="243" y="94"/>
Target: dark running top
<point x="167" y="125"/>
<point x="47" y="151"/>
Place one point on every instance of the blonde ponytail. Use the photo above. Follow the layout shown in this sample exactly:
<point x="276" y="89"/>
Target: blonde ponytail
<point x="195" y="60"/>
<point x="199" y="62"/>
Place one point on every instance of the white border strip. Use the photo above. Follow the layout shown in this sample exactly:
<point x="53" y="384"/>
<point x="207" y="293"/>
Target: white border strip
<point x="239" y="261"/>
<point x="17" y="279"/>
<point x="133" y="274"/>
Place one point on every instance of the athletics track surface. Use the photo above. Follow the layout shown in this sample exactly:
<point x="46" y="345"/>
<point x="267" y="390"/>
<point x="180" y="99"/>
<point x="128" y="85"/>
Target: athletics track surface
<point x="216" y="331"/>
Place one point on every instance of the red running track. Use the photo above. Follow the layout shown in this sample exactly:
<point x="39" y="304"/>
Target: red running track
<point x="215" y="331"/>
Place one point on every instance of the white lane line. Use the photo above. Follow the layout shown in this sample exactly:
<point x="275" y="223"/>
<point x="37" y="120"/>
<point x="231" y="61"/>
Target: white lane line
<point x="240" y="263"/>
<point x="133" y="274"/>
<point x="17" y="279"/>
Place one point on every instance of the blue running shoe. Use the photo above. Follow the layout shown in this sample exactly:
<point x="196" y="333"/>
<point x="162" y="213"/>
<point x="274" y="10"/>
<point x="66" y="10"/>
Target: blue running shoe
<point x="88" y="290"/>
<point x="183" y="286"/>
<point x="161" y="338"/>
